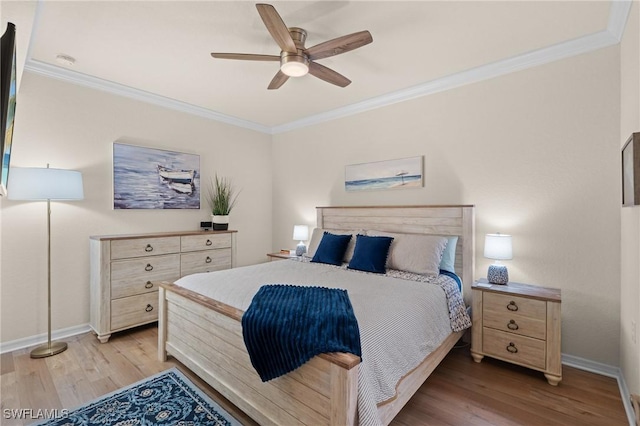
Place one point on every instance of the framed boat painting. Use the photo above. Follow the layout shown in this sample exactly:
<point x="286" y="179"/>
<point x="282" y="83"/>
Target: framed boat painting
<point x="390" y="174"/>
<point x="149" y="178"/>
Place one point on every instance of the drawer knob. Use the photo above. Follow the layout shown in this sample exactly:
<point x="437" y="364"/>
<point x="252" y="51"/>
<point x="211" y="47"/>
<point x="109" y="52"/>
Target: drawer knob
<point x="149" y="284"/>
<point x="149" y="308"/>
<point x="512" y="348"/>
<point x="208" y="243"/>
<point x="148" y="248"/>
<point x="512" y="325"/>
<point x="512" y="306"/>
<point x="148" y="267"/>
<point x="208" y="260"/>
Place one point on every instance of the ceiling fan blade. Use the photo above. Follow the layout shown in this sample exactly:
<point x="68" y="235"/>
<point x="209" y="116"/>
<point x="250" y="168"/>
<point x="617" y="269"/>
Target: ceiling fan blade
<point x="339" y="45"/>
<point x="276" y="27"/>
<point x="328" y="75"/>
<point x="279" y="79"/>
<point x="246" y="56"/>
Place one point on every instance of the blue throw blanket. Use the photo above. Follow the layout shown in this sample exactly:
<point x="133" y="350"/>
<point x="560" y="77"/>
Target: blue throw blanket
<point x="285" y="326"/>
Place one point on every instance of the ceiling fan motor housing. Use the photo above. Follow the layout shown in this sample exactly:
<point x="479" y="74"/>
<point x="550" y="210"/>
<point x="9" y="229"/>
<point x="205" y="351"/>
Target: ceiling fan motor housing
<point x="295" y="64"/>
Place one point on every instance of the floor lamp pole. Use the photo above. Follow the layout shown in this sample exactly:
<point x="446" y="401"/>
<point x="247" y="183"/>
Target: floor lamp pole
<point x="50" y="348"/>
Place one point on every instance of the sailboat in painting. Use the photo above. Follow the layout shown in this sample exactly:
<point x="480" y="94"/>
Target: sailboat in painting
<point x="178" y="180"/>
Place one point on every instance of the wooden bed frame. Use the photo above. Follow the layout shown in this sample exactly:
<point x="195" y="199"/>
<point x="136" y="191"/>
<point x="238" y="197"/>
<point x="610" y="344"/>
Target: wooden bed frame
<point x="206" y="335"/>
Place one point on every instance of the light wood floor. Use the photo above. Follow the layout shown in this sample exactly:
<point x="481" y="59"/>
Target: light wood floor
<point x="459" y="392"/>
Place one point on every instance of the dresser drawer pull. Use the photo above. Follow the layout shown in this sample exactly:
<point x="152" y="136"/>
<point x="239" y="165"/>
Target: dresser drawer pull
<point x="512" y="325"/>
<point x="148" y="248"/>
<point x="149" y="308"/>
<point x="148" y="267"/>
<point x="149" y="284"/>
<point x="208" y="243"/>
<point x="512" y="348"/>
<point x="207" y="260"/>
<point x="512" y="306"/>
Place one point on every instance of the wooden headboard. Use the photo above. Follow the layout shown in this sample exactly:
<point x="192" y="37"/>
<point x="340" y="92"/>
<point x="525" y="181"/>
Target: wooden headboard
<point x="433" y="220"/>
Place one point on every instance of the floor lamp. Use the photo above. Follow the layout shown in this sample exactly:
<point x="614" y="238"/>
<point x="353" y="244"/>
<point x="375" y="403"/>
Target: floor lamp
<point x="38" y="184"/>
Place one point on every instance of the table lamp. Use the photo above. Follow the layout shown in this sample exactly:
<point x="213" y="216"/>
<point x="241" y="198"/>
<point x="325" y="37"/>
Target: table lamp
<point x="39" y="184"/>
<point x="498" y="247"/>
<point x="301" y="233"/>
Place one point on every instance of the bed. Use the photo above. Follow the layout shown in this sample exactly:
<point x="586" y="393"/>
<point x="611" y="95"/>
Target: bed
<point x="324" y="390"/>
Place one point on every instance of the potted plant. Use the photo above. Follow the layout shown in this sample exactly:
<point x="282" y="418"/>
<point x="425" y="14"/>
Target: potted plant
<point x="222" y="197"/>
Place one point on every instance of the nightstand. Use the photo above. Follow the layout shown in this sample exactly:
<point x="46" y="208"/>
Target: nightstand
<point x="518" y="323"/>
<point x="280" y="256"/>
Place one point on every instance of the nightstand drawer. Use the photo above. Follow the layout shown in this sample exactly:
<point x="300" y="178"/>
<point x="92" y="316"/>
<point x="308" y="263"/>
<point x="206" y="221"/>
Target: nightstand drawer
<point x="134" y="310"/>
<point x="517" y="324"/>
<point x="503" y="304"/>
<point x="205" y="261"/>
<point x="138" y="247"/>
<point x="517" y="349"/>
<point x="205" y="242"/>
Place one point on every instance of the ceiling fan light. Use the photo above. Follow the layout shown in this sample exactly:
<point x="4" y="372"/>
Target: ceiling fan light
<point x="294" y="64"/>
<point x="294" y="69"/>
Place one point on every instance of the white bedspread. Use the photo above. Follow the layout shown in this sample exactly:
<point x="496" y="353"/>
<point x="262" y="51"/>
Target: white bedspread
<point x="400" y="321"/>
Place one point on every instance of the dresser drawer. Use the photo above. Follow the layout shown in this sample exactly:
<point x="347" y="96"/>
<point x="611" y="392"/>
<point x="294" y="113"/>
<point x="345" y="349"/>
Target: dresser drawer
<point x="498" y="304"/>
<point x="135" y="310"/>
<point x="517" y="349"/>
<point x="136" y="276"/>
<point x="139" y="247"/>
<point x="205" y="261"/>
<point x="205" y="241"/>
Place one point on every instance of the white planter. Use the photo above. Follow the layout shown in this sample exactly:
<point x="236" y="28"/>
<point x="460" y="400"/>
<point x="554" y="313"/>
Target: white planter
<point x="220" y="222"/>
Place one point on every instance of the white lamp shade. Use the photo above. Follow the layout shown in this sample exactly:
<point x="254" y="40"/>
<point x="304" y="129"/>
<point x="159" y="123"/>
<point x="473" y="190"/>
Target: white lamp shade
<point x="33" y="183"/>
<point x="300" y="232"/>
<point x="498" y="247"/>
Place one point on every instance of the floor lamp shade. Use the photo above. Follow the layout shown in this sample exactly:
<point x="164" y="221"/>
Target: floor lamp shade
<point x="33" y="183"/>
<point x="40" y="184"/>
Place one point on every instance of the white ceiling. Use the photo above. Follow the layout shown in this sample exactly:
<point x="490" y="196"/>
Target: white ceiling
<point x="160" y="50"/>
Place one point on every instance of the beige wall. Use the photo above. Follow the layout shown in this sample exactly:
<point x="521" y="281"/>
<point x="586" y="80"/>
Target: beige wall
<point x="536" y="151"/>
<point x="630" y="216"/>
<point x="74" y="128"/>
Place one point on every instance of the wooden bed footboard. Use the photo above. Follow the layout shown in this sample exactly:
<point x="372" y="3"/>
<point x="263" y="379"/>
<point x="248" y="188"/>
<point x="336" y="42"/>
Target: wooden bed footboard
<point x="206" y="336"/>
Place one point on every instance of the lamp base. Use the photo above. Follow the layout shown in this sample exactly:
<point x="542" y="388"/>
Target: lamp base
<point x="497" y="274"/>
<point x="301" y="249"/>
<point x="48" y="350"/>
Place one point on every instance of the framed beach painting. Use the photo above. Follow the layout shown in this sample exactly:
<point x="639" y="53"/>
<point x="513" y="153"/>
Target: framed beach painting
<point x="148" y="178"/>
<point x="390" y="174"/>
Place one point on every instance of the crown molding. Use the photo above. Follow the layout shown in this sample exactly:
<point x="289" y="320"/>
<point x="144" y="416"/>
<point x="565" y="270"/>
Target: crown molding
<point x="484" y="72"/>
<point x="618" y="14"/>
<point x="85" y="80"/>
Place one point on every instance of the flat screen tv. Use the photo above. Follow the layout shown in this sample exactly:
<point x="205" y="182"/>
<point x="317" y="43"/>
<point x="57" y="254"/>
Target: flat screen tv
<point x="7" y="99"/>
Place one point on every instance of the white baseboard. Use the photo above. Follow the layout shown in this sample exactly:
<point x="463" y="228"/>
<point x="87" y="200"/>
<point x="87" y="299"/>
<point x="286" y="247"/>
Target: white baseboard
<point x="39" y="339"/>
<point x="608" y="371"/>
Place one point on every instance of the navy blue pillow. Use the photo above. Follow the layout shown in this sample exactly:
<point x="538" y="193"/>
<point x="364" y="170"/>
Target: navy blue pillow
<point x="331" y="248"/>
<point x="370" y="254"/>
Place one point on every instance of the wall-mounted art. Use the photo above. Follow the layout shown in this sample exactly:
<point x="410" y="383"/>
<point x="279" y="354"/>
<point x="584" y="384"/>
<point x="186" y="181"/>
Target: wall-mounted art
<point x="7" y="100"/>
<point x="148" y="178"/>
<point x="631" y="171"/>
<point x="390" y="174"/>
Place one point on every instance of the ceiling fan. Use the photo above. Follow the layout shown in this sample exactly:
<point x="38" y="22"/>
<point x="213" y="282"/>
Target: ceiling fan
<point x="295" y="59"/>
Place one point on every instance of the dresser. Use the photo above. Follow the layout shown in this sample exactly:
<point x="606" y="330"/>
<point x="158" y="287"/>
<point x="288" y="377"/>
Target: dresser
<point x="518" y="323"/>
<point x="125" y="270"/>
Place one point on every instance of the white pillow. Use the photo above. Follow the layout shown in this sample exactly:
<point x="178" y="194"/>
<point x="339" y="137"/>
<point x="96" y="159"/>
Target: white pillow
<point x="316" y="237"/>
<point x="417" y="253"/>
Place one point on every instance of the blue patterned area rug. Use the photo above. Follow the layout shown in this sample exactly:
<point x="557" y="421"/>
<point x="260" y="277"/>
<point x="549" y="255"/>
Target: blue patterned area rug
<point x="168" y="398"/>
